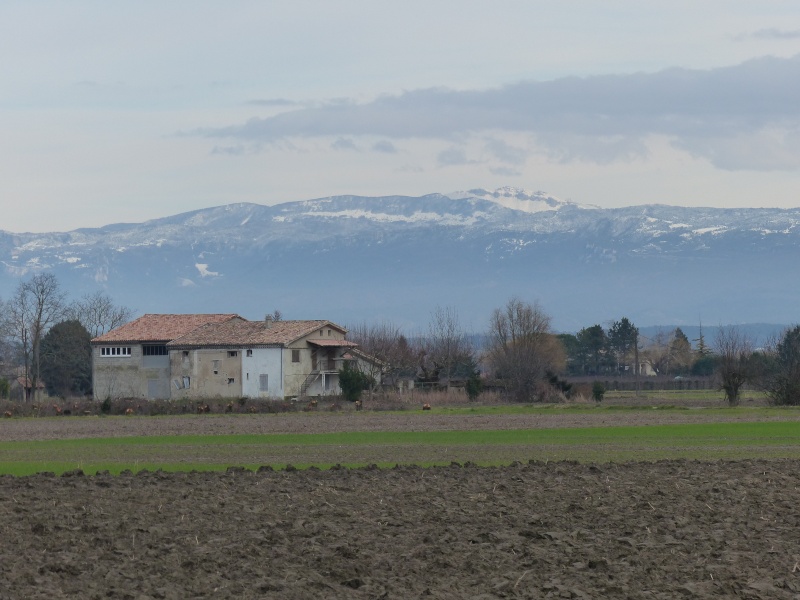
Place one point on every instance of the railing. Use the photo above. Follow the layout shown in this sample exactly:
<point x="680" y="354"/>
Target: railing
<point x="312" y="377"/>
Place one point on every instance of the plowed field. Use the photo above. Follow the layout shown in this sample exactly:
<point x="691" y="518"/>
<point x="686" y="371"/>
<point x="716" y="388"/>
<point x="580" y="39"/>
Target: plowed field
<point x="669" y="529"/>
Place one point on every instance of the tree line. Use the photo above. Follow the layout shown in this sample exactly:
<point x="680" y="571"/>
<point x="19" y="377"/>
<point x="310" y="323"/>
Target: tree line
<point x="46" y="336"/>
<point x="525" y="359"/>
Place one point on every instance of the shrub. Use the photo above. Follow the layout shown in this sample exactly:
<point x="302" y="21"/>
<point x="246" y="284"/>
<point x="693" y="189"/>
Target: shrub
<point x="353" y="382"/>
<point x="474" y="386"/>
<point x="598" y="391"/>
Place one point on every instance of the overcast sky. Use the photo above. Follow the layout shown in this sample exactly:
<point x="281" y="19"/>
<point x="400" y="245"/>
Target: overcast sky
<point x="127" y="111"/>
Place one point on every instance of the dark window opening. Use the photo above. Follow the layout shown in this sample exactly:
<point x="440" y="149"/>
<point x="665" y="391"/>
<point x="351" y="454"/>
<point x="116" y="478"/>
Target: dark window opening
<point x="154" y="350"/>
<point x="295" y="356"/>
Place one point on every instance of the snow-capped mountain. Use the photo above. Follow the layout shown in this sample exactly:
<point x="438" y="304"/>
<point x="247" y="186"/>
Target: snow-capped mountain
<point x="351" y="258"/>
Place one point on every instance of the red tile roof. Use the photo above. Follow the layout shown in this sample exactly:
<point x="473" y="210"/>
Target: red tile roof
<point x="329" y="342"/>
<point x="160" y="328"/>
<point x="241" y="333"/>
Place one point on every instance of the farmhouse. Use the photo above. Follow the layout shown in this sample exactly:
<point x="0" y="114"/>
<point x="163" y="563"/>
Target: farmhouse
<point x="220" y="356"/>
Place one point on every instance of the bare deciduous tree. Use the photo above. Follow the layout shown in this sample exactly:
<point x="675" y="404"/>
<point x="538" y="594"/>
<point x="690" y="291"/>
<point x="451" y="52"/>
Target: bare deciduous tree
<point x="523" y="350"/>
<point x="734" y="350"/>
<point x="659" y="353"/>
<point x="98" y="313"/>
<point x="37" y="305"/>
<point x="384" y="342"/>
<point x="447" y="346"/>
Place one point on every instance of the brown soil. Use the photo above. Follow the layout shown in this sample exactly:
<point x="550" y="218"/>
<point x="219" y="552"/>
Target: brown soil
<point x="670" y="529"/>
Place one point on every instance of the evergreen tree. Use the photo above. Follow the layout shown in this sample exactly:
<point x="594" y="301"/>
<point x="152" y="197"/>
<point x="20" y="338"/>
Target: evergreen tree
<point x="353" y="382"/>
<point x="594" y="343"/>
<point x="702" y="349"/>
<point x="680" y="352"/>
<point x="783" y="379"/>
<point x="474" y="384"/>
<point x="66" y="360"/>
<point x="623" y="338"/>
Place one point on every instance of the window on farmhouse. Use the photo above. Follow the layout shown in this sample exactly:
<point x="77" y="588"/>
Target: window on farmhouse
<point x="295" y="355"/>
<point x="249" y="353"/>
<point x="115" y="351"/>
<point x="154" y="351"/>
<point x="233" y="353"/>
<point x="230" y="380"/>
<point x="263" y="383"/>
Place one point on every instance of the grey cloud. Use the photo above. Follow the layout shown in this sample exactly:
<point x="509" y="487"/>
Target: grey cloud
<point x="237" y="150"/>
<point x="601" y="149"/>
<point x="505" y="171"/>
<point x="385" y="147"/>
<point x="452" y="157"/>
<point x="767" y="150"/>
<point x="344" y="144"/>
<point x="597" y="118"/>
<point x="776" y="34"/>
<point x="506" y="153"/>
<point x="410" y="169"/>
<point x="274" y="102"/>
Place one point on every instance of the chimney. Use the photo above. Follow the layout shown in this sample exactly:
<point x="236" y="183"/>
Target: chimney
<point x="268" y="321"/>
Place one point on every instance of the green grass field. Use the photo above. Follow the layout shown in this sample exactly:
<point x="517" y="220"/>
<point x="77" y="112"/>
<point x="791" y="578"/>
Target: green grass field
<point x="736" y="440"/>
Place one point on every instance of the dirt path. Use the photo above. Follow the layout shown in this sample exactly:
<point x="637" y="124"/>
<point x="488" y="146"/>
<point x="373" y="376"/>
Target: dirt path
<point x="672" y="529"/>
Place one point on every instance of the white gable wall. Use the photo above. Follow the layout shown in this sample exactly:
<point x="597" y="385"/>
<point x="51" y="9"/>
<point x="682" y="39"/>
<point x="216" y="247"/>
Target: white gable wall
<point x="263" y="361"/>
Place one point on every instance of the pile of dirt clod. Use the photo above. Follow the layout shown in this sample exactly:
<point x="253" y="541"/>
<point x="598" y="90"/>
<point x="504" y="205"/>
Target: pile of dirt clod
<point x="672" y="529"/>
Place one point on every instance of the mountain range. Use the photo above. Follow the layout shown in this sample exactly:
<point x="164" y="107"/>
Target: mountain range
<point x="355" y="258"/>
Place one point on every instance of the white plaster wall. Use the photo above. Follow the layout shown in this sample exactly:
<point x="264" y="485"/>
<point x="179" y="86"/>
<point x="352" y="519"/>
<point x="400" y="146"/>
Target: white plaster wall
<point x="263" y="361"/>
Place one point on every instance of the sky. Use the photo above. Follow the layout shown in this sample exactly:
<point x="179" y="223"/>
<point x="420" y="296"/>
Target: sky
<point x="128" y="111"/>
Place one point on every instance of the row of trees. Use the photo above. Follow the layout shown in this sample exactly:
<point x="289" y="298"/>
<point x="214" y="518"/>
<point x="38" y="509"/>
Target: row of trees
<point x="48" y="335"/>
<point x="522" y="354"/>
<point x="595" y="351"/>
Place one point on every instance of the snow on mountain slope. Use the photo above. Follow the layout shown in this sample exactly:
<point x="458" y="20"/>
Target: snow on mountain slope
<point x="393" y="256"/>
<point x="517" y="199"/>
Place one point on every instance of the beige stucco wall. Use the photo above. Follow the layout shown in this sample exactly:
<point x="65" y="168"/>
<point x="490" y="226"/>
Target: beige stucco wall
<point x="295" y="373"/>
<point x="133" y="376"/>
<point x="209" y="371"/>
